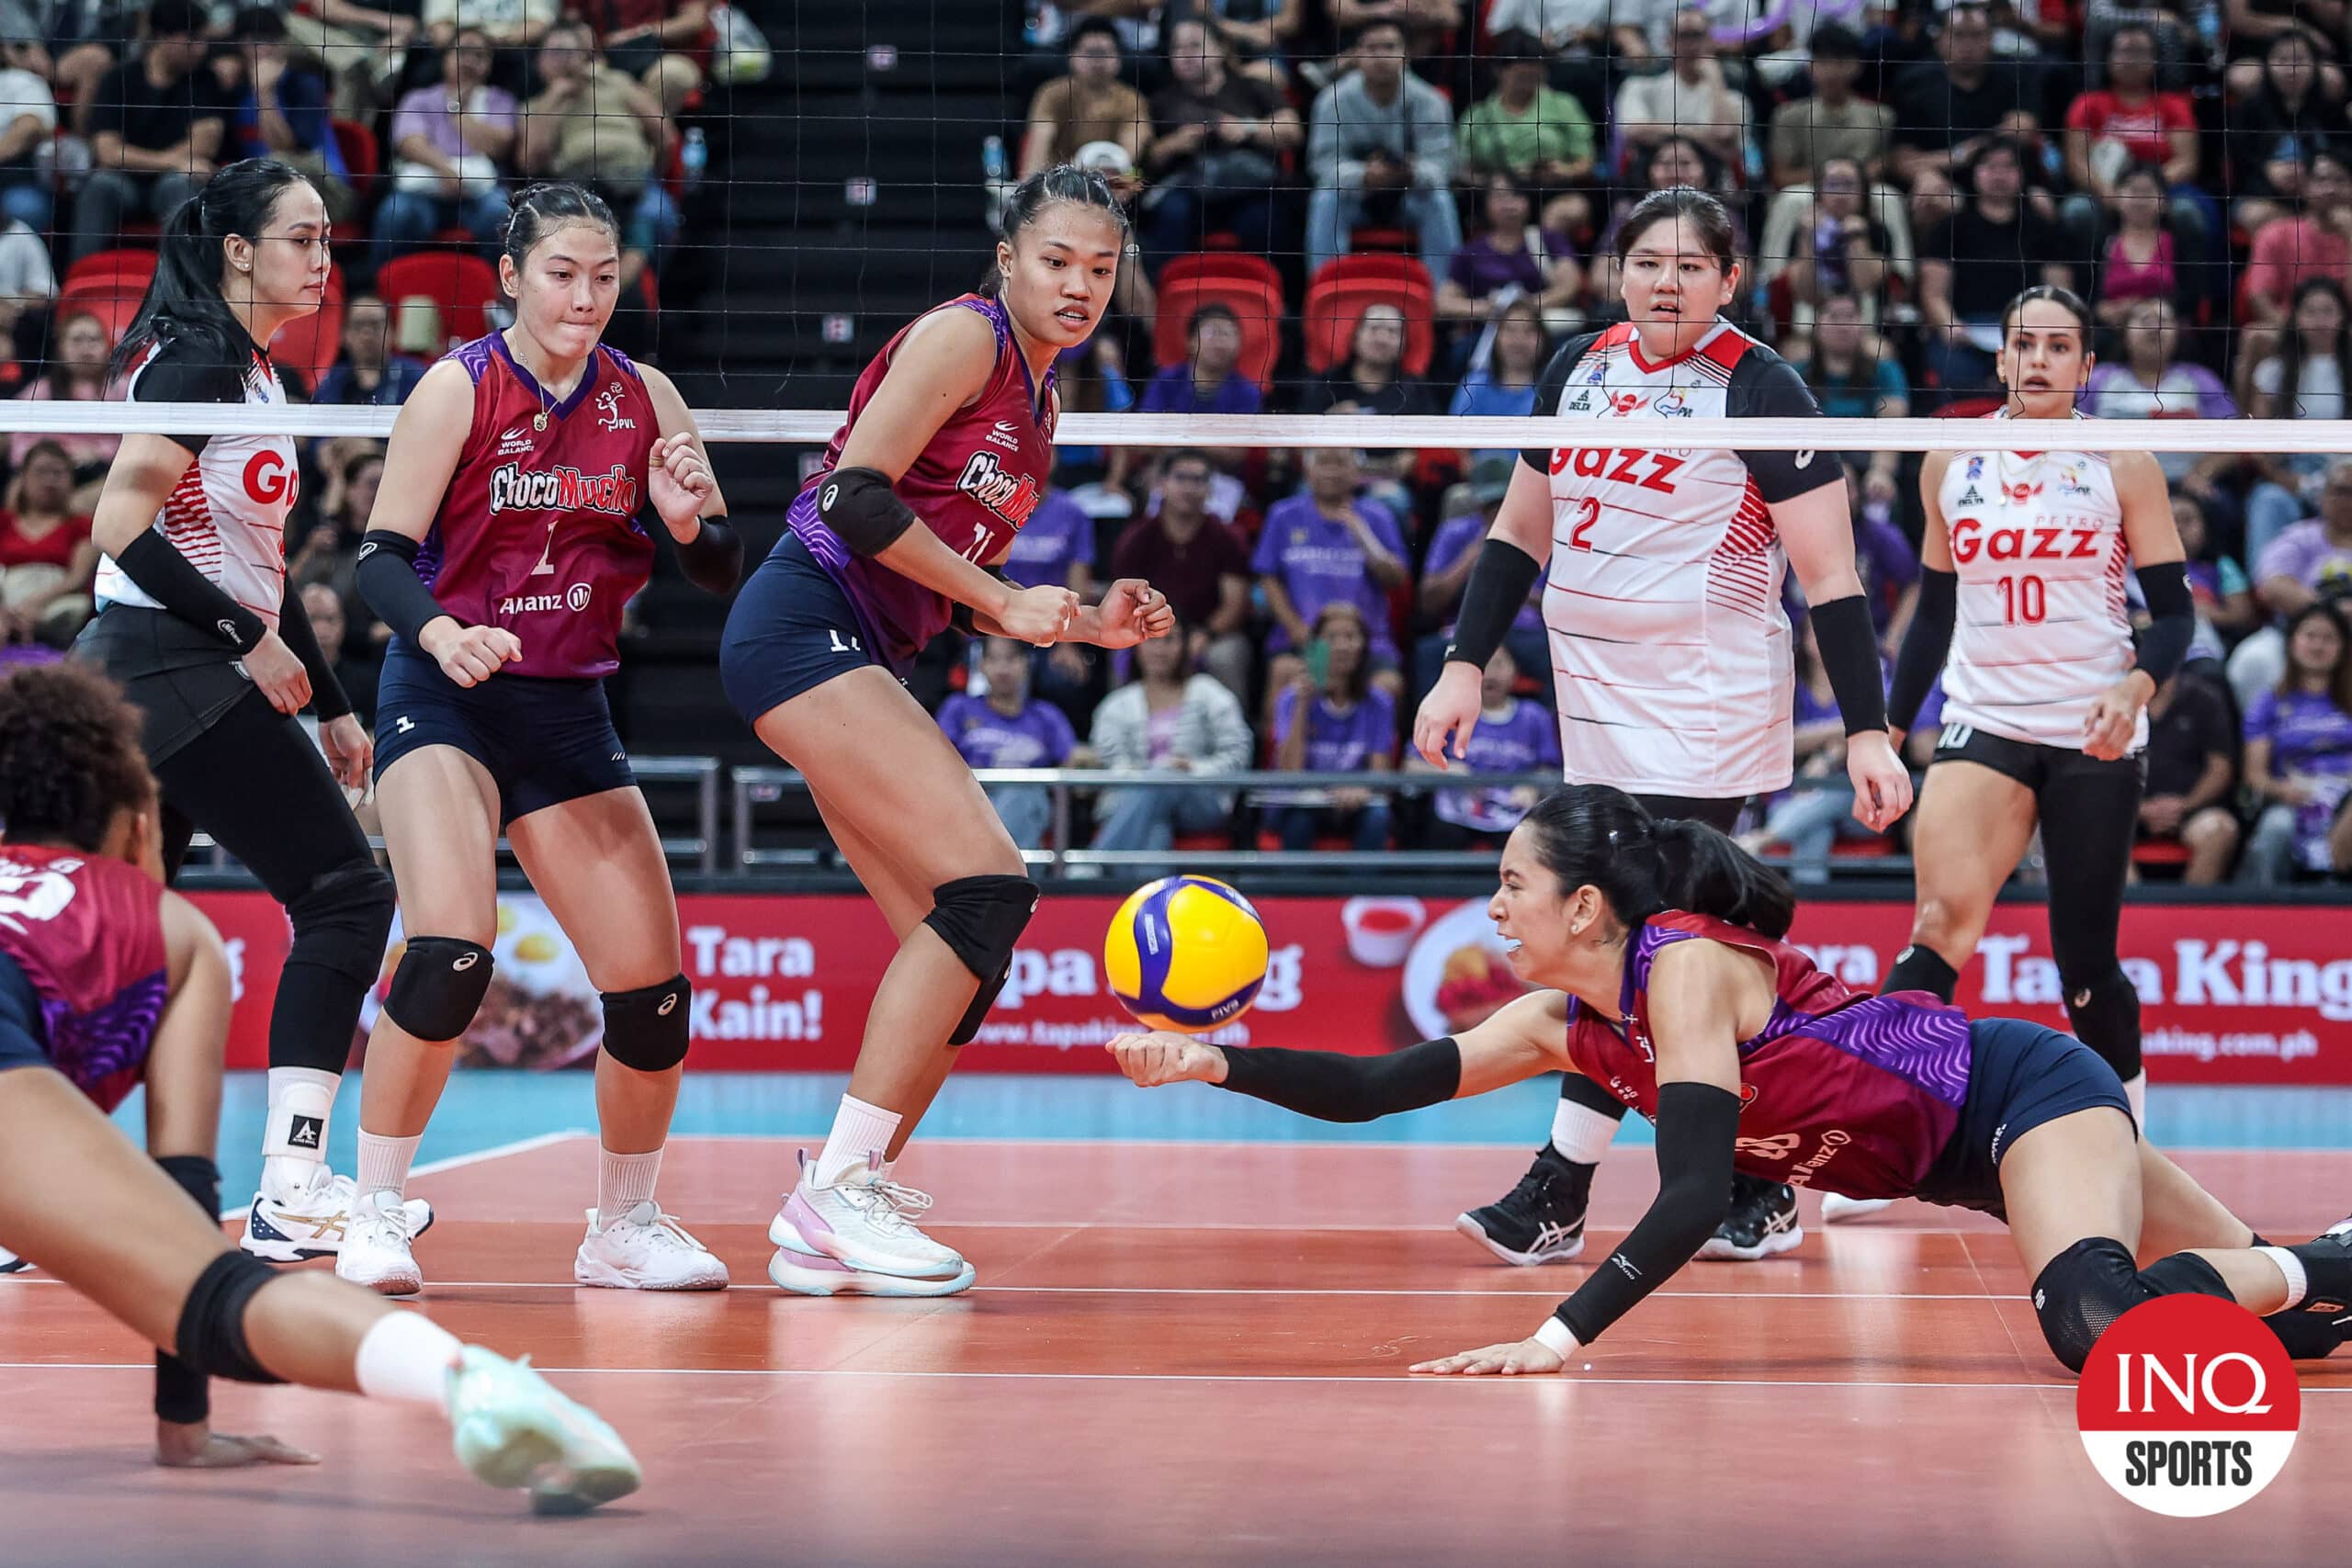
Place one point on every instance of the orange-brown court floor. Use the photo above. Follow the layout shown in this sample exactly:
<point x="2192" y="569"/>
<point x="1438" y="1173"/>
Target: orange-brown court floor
<point x="1184" y="1354"/>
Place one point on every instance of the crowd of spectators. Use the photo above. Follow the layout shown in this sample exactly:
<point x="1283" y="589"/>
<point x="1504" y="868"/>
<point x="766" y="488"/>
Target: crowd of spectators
<point x="1903" y="170"/>
<point x="415" y="118"/>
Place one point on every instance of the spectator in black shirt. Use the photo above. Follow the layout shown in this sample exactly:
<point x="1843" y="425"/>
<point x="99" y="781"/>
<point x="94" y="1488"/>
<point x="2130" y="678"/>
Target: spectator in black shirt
<point x="2272" y="133"/>
<point x="1374" y="381"/>
<point x="1949" y="108"/>
<point x="1215" y="161"/>
<point x="2192" y="763"/>
<point x="156" y="127"/>
<point x="1973" y="264"/>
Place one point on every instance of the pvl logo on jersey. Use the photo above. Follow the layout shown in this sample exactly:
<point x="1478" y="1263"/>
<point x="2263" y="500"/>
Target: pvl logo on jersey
<point x="1674" y="406"/>
<point x="608" y="404"/>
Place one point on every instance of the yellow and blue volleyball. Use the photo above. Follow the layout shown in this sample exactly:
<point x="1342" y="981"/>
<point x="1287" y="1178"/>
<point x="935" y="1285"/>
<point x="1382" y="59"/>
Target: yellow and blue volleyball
<point x="1186" y="953"/>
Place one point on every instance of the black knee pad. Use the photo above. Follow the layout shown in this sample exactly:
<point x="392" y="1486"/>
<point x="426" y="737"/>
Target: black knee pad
<point x="211" y="1335"/>
<point x="2081" y="1291"/>
<point x="646" y="1029"/>
<point x="2088" y="1286"/>
<point x="2105" y="1011"/>
<point x="439" y="986"/>
<point x="981" y="918"/>
<point x="340" y="920"/>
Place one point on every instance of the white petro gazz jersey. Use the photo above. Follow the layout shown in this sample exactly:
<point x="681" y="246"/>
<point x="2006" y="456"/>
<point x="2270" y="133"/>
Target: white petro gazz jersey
<point x="2041" y="628"/>
<point x="1671" y="652"/>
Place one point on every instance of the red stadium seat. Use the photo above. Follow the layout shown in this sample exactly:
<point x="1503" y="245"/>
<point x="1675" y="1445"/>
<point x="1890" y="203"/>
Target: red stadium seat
<point x="1249" y="285"/>
<point x="1345" y="289"/>
<point x="460" y="283"/>
<point x="361" y="159"/>
<point x="124" y="271"/>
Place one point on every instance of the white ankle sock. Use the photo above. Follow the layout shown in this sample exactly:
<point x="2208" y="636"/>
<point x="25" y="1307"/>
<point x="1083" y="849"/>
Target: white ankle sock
<point x="623" y="1181"/>
<point x="2136" y="1089"/>
<point x="384" y="1162"/>
<point x="1581" y="1134"/>
<point x="2299" y="1285"/>
<point x="406" y="1356"/>
<point x="861" y="1132"/>
<point x="294" y="1134"/>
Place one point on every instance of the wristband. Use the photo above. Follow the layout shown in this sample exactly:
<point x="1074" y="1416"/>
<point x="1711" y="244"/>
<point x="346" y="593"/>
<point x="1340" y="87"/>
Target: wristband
<point x="1556" y="1338"/>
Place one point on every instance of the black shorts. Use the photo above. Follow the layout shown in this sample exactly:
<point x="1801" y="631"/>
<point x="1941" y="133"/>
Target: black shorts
<point x="181" y="678"/>
<point x="2020" y="1074"/>
<point x="544" y="740"/>
<point x="792" y="629"/>
<point x="2033" y="764"/>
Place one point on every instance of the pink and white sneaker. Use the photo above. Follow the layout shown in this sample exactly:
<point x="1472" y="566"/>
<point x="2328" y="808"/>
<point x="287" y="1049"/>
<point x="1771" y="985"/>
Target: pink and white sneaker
<point x="861" y="1222"/>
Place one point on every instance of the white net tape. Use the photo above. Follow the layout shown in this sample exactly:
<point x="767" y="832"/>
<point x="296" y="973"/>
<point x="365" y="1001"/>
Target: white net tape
<point x="814" y="427"/>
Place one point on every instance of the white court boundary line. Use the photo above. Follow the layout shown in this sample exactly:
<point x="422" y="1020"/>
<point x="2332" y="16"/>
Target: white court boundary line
<point x="1049" y="1141"/>
<point x="454" y="1162"/>
<point x="1372" y="1380"/>
<point x="1552" y="1293"/>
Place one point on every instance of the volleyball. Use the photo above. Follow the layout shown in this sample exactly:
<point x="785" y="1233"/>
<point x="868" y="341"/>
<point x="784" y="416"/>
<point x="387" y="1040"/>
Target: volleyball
<point x="1186" y="953"/>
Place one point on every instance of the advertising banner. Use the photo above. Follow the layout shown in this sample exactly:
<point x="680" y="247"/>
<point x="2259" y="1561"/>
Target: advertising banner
<point x="2229" y="994"/>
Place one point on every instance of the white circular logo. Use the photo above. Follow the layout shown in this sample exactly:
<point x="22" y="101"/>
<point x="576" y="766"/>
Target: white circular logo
<point x="577" y="599"/>
<point x="2189" y="1405"/>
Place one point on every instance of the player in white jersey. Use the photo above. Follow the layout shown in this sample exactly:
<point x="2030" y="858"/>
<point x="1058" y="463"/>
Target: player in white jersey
<point x="197" y="622"/>
<point x="1670" y="653"/>
<point x="2045" y="697"/>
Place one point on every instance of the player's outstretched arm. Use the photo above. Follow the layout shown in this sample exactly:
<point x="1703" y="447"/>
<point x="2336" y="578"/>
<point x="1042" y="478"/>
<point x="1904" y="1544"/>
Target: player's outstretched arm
<point x="1701" y="993"/>
<point x="1517" y="1043"/>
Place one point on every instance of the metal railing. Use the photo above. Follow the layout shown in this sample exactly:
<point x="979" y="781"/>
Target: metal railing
<point x="755" y="788"/>
<point x="703" y="849"/>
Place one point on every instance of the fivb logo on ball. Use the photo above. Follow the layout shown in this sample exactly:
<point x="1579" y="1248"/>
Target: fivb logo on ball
<point x="2189" y="1405"/>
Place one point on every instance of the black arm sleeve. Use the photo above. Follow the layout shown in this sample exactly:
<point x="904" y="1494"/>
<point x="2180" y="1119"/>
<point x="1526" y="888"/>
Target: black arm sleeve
<point x="713" y="558"/>
<point x="183" y="1394"/>
<point x="1697" y="1126"/>
<point x="387" y="580"/>
<point x="172" y="581"/>
<point x="1501" y="580"/>
<point x="327" y="697"/>
<point x="1336" y="1087"/>
<point x="1921" y="657"/>
<point x="1850" y="655"/>
<point x="1765" y="386"/>
<point x="2172" y="624"/>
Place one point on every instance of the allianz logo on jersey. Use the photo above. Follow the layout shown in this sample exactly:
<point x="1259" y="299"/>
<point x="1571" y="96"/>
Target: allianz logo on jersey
<point x="514" y="488"/>
<point x="1006" y="435"/>
<point x="1011" y="496"/>
<point x="574" y="598"/>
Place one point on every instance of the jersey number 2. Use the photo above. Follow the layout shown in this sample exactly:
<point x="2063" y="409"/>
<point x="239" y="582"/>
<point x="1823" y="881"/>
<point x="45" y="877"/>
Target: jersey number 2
<point x="2024" y="600"/>
<point x="1587" y="513"/>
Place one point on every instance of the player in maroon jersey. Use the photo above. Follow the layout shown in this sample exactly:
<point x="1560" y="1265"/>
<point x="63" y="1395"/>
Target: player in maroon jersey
<point x="502" y="560"/>
<point x="945" y="454"/>
<point x="108" y="981"/>
<point x="1660" y="943"/>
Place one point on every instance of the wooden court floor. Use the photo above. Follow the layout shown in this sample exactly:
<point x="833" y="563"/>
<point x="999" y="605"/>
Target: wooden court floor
<point x="1181" y="1353"/>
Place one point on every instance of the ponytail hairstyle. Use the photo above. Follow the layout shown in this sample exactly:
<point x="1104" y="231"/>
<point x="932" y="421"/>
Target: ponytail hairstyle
<point x="70" y="757"/>
<point x="184" y="301"/>
<point x="1594" y="835"/>
<point x="539" y="210"/>
<point x="1063" y="182"/>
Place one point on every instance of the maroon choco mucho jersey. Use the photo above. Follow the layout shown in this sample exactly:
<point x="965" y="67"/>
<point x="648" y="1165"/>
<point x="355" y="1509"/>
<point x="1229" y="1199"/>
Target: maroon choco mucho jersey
<point x="975" y="484"/>
<point x="538" y="530"/>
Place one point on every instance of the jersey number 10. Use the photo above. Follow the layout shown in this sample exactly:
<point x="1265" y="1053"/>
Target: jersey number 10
<point x="2024" y="600"/>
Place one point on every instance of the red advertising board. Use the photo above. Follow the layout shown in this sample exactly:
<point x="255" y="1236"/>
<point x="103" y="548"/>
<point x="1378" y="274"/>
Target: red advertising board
<point x="2229" y="994"/>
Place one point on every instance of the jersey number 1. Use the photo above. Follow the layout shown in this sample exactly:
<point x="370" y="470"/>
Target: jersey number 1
<point x="2024" y="600"/>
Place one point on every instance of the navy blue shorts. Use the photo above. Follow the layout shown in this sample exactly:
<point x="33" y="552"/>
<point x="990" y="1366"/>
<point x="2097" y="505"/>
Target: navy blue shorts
<point x="544" y="741"/>
<point x="2020" y="1074"/>
<point x="792" y="629"/>
<point x="20" y="1015"/>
